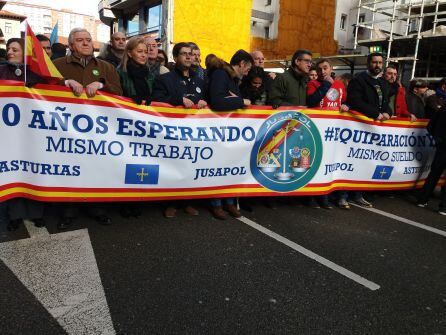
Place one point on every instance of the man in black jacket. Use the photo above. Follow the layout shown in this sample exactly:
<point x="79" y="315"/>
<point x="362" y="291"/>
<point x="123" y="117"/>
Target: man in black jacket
<point x="182" y="86"/>
<point x="368" y="92"/>
<point x="437" y="128"/>
<point x="115" y="50"/>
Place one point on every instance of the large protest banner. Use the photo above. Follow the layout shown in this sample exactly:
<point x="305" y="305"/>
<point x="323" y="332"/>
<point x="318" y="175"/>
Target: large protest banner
<point x="57" y="147"/>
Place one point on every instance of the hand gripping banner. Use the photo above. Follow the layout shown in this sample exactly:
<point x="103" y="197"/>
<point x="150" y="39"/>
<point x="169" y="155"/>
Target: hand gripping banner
<point x="57" y="147"/>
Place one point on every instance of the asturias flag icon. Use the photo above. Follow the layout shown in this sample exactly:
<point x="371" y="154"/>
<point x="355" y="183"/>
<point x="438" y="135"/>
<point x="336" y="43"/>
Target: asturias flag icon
<point x="141" y="174"/>
<point x="382" y="172"/>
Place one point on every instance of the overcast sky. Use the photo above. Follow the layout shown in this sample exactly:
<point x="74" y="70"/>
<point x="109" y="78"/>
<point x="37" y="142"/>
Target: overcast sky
<point x="89" y="7"/>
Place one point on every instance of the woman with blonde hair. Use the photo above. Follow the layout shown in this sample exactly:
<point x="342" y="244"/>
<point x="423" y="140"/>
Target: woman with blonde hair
<point x="136" y="79"/>
<point x="136" y="83"/>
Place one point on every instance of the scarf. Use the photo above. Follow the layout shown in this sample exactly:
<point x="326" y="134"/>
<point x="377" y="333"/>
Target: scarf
<point x="83" y="60"/>
<point x="138" y="73"/>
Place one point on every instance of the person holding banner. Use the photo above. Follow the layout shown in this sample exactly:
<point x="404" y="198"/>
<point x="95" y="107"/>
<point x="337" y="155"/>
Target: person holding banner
<point x="81" y="70"/>
<point x="225" y="95"/>
<point x="326" y="93"/>
<point x="368" y="93"/>
<point x="19" y="209"/>
<point x="136" y="79"/>
<point x="14" y="69"/>
<point x="181" y="87"/>
<point x="290" y="87"/>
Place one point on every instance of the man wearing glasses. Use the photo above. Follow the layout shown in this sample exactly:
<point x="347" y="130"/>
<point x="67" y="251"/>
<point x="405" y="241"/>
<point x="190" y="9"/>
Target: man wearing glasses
<point x="180" y="87"/>
<point x="290" y="88"/>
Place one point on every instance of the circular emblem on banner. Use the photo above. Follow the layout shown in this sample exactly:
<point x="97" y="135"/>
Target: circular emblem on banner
<point x="95" y="72"/>
<point x="287" y="152"/>
<point x="332" y="94"/>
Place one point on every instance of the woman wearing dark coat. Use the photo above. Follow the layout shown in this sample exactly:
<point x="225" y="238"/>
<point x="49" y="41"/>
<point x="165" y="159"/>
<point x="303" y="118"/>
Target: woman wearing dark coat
<point x="135" y="76"/>
<point x="136" y="82"/>
<point x="18" y="209"/>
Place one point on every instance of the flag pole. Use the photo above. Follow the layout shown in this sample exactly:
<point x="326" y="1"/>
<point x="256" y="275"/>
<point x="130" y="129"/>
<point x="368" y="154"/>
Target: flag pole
<point x="26" y="48"/>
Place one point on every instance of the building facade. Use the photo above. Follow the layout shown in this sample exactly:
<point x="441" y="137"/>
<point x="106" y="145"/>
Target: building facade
<point x="306" y="24"/>
<point x="278" y="27"/>
<point x="42" y="19"/>
<point x="9" y="24"/>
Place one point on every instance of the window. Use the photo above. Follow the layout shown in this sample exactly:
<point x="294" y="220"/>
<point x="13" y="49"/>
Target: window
<point x="268" y="3"/>
<point x="133" y="25"/>
<point x="154" y="18"/>
<point x="8" y="28"/>
<point x="343" y="21"/>
<point x="266" y="32"/>
<point x="361" y="18"/>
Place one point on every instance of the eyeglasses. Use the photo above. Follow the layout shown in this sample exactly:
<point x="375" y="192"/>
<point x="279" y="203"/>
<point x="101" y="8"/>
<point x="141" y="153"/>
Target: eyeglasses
<point x="306" y="60"/>
<point x="184" y="53"/>
<point x="161" y="59"/>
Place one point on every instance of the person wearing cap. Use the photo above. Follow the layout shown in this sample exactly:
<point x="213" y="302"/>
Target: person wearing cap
<point x="415" y="98"/>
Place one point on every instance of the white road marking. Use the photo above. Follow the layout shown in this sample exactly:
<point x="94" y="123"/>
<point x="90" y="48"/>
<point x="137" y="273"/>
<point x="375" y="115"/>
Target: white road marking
<point x="339" y="269"/>
<point x="33" y="231"/>
<point x="404" y="220"/>
<point x="60" y="270"/>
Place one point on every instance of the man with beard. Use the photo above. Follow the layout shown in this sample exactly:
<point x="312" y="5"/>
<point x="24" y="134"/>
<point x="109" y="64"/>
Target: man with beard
<point x="196" y="61"/>
<point x="397" y="94"/>
<point x="368" y="92"/>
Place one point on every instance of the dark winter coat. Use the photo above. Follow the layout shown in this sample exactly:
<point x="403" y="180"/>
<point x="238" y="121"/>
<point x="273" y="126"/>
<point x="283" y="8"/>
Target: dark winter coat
<point x="437" y="125"/>
<point x="129" y="89"/>
<point x="172" y="87"/>
<point x="362" y="96"/>
<point x="221" y="85"/>
<point x="289" y="89"/>
<point x="415" y="105"/>
<point x="110" y="57"/>
<point x="8" y="72"/>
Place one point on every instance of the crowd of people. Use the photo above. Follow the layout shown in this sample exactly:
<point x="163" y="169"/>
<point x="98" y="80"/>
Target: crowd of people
<point x="138" y="69"/>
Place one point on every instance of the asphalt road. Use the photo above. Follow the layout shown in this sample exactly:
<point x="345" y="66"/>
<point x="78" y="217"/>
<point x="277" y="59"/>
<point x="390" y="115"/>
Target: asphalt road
<point x="197" y="275"/>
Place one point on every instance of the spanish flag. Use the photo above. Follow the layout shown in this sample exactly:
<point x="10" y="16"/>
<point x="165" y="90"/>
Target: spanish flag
<point x="37" y="60"/>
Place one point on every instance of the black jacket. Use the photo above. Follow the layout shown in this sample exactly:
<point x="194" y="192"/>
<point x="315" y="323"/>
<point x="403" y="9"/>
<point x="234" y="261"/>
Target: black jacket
<point x="362" y="96"/>
<point x="415" y="105"/>
<point x="221" y="85"/>
<point x="110" y="57"/>
<point x="172" y="87"/>
<point x="437" y="125"/>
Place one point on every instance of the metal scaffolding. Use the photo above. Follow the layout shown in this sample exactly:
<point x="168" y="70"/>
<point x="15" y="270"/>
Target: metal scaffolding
<point x="408" y="30"/>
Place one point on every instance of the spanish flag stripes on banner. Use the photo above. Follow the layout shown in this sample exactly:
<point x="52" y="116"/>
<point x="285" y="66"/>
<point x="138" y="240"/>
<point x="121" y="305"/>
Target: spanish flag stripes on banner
<point x="37" y="60"/>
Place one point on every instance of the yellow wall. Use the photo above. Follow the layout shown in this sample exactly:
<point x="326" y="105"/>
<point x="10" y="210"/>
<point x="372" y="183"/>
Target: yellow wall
<point x="303" y="24"/>
<point x="217" y="26"/>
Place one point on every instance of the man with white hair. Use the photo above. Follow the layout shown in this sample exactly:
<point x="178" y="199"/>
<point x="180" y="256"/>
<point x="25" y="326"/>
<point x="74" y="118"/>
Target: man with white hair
<point x="155" y="68"/>
<point x="82" y="70"/>
<point x="115" y="49"/>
